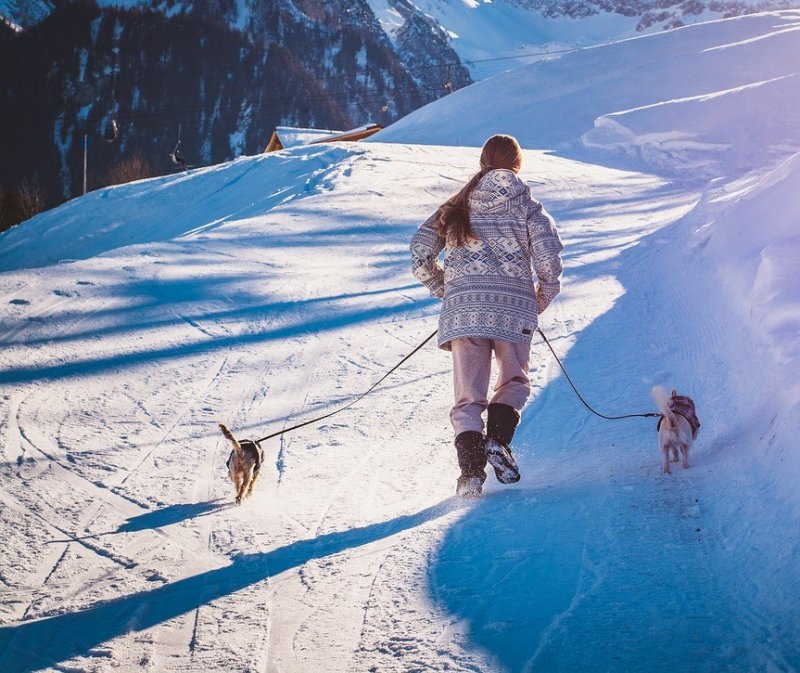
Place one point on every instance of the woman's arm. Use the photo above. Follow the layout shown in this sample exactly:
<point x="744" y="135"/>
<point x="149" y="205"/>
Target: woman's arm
<point x="545" y="250"/>
<point x="425" y="248"/>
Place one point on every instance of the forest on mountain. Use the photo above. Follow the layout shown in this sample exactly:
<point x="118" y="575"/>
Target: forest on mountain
<point x="194" y="77"/>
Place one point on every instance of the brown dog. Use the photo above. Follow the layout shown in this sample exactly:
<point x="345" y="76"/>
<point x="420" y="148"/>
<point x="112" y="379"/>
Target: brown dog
<point x="677" y="426"/>
<point x="244" y="464"/>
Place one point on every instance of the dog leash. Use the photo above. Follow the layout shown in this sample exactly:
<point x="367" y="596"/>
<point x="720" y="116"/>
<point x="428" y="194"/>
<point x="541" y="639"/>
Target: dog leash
<point x="652" y="414"/>
<point x="413" y="352"/>
<point x="349" y="404"/>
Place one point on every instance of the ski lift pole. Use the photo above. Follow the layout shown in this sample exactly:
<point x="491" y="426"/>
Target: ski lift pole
<point x="85" y="158"/>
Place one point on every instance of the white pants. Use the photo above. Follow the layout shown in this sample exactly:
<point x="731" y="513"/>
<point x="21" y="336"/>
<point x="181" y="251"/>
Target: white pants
<point x="472" y="366"/>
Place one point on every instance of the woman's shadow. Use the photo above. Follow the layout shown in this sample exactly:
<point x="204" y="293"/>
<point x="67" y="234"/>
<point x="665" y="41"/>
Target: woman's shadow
<point x="46" y="643"/>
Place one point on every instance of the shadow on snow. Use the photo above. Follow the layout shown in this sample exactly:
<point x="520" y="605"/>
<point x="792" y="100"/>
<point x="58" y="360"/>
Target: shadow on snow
<point x="48" y="642"/>
<point x="596" y="561"/>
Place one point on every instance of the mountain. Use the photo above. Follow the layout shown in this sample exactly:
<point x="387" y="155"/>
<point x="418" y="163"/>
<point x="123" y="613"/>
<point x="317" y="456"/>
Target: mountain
<point x="664" y="13"/>
<point x="219" y="76"/>
<point x="609" y="102"/>
<point x="492" y="37"/>
<point x="200" y="74"/>
<point x="21" y="14"/>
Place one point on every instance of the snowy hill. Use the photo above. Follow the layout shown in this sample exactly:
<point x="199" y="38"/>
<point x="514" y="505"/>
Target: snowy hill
<point x="272" y="289"/>
<point x="700" y="101"/>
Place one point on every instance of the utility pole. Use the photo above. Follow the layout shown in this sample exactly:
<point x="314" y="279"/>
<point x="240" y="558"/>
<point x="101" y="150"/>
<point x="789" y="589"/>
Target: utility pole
<point x="85" y="158"/>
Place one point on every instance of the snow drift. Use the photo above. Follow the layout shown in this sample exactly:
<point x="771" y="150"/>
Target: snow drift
<point x="701" y="101"/>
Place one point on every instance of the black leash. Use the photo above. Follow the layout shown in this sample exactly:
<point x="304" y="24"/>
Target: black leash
<point x="585" y="403"/>
<point x="393" y="369"/>
<point x="349" y="404"/>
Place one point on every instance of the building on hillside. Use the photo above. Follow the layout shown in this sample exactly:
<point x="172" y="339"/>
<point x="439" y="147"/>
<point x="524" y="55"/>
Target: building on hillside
<point x="287" y="136"/>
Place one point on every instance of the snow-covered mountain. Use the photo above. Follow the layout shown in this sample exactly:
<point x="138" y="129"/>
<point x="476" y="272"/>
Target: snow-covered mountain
<point x="490" y="36"/>
<point x="614" y="99"/>
<point x="273" y="289"/>
<point x="226" y="73"/>
<point x="204" y="74"/>
<point x="21" y="14"/>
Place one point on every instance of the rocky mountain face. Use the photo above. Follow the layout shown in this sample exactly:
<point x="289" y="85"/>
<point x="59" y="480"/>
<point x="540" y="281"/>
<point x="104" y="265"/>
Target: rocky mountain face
<point x="21" y="14"/>
<point x="210" y="75"/>
<point x="664" y="13"/>
<point x="424" y="47"/>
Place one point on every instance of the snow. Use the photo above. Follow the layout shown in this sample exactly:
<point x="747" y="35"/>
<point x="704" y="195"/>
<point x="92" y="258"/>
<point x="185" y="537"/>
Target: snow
<point x="704" y="136"/>
<point x="63" y="142"/>
<point x="493" y="37"/>
<point x="19" y="14"/>
<point x="756" y="261"/>
<point x="292" y="136"/>
<point x="13" y="26"/>
<point x="649" y="88"/>
<point x="83" y="113"/>
<point x="389" y="18"/>
<point x="236" y="139"/>
<point x="275" y="288"/>
<point x="82" y="62"/>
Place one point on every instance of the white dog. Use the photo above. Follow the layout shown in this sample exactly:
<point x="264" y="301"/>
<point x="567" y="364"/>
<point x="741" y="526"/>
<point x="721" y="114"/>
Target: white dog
<point x="677" y="427"/>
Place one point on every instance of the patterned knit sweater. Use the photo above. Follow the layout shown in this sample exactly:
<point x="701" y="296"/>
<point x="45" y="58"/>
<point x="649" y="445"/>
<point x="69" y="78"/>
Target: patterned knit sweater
<point x="488" y="285"/>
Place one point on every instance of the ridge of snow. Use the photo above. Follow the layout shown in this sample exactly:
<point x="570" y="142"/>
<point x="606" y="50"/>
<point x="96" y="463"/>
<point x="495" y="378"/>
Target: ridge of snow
<point x="593" y="102"/>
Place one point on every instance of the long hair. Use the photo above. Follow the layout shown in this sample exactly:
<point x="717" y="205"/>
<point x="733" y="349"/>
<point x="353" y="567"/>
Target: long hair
<point x="500" y="151"/>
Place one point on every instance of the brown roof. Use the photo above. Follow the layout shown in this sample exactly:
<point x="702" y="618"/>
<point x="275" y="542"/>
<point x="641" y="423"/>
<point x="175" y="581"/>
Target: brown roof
<point x="297" y="136"/>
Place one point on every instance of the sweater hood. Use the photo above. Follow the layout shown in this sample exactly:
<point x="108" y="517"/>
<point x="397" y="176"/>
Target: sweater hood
<point x="496" y="188"/>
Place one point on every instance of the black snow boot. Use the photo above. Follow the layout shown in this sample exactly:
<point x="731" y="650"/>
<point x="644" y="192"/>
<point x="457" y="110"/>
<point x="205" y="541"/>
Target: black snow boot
<point x="471" y="448"/>
<point x="502" y="422"/>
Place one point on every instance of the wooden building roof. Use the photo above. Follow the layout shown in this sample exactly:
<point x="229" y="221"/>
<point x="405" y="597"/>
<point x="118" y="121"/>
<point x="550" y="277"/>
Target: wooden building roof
<point x="287" y="136"/>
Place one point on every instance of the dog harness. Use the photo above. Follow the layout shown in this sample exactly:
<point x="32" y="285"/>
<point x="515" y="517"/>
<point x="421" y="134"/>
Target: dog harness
<point x="680" y="404"/>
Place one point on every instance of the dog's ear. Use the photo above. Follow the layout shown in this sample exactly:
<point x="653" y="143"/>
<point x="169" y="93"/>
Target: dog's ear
<point x="674" y="393"/>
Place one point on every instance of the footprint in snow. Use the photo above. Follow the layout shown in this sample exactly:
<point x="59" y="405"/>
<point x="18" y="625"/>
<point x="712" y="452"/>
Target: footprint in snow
<point x="19" y="302"/>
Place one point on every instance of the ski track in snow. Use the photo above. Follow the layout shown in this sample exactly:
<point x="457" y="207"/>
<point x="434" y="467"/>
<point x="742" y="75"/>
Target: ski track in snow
<point x="122" y="548"/>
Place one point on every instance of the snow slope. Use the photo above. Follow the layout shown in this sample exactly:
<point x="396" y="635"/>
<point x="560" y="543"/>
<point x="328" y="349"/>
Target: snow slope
<point x="272" y="289"/>
<point x="709" y="99"/>
<point x="493" y="37"/>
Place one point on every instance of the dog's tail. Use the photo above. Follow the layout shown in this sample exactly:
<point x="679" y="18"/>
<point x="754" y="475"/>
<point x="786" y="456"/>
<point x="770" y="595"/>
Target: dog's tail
<point x="661" y="398"/>
<point x="229" y="435"/>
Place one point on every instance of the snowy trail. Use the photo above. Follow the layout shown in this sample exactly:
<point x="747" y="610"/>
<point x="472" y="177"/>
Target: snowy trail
<point x="121" y="548"/>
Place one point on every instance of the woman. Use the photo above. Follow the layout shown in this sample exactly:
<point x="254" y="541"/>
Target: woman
<point x="494" y="235"/>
